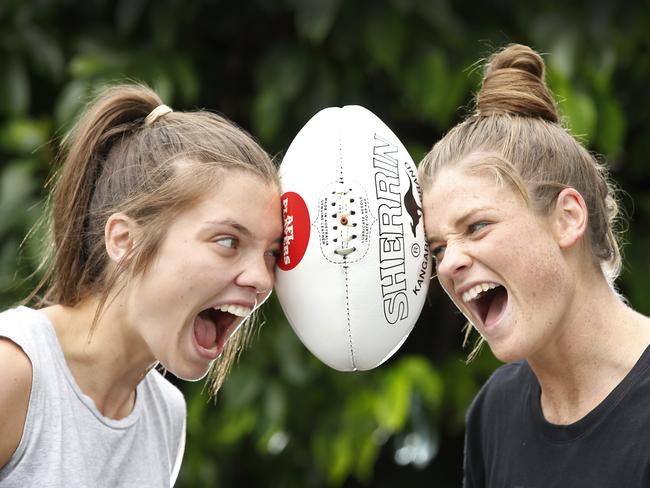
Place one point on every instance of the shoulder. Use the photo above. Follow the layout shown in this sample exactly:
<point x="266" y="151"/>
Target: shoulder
<point x="13" y="318"/>
<point x="494" y="409"/>
<point x="170" y="391"/>
<point x="167" y="396"/>
<point x="15" y="389"/>
<point x="167" y="409"/>
<point x="504" y="388"/>
<point x="23" y="326"/>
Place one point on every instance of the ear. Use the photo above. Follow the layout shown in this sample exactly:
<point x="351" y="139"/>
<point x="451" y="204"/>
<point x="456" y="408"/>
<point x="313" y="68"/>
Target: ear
<point x="119" y="235"/>
<point x="570" y="217"/>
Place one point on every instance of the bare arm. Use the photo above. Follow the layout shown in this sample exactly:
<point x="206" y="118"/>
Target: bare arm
<point x="15" y="389"/>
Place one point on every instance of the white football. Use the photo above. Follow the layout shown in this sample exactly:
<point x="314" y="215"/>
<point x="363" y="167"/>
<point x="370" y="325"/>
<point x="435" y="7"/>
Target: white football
<point x="355" y="268"/>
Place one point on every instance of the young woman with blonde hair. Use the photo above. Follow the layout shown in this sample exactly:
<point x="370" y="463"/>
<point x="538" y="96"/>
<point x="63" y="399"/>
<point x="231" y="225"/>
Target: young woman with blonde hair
<point x="520" y="219"/>
<point x="166" y="226"/>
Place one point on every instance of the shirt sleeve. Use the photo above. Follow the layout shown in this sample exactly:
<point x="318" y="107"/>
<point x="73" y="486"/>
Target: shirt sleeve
<point x="179" y="455"/>
<point x="473" y="464"/>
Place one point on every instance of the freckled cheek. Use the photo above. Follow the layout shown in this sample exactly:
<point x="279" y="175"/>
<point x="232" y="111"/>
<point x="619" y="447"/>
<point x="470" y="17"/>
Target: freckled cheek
<point x="539" y="271"/>
<point x="172" y="283"/>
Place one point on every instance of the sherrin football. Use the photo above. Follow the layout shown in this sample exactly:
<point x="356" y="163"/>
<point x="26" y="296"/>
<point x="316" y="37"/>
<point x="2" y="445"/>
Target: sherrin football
<point x="354" y="269"/>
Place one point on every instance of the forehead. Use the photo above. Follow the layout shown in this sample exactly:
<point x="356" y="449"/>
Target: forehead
<point x="462" y="189"/>
<point x="456" y="193"/>
<point x="241" y="198"/>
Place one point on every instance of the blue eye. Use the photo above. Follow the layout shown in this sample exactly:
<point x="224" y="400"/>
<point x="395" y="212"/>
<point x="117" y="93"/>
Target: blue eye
<point x="438" y="253"/>
<point x="274" y="254"/>
<point x="473" y="228"/>
<point x="229" y="242"/>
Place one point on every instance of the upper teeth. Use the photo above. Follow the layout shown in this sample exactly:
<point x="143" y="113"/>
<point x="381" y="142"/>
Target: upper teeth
<point x="475" y="291"/>
<point x="237" y="310"/>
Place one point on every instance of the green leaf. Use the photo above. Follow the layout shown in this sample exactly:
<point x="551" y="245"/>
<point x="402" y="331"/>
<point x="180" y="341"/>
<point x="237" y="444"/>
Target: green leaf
<point x="96" y="60"/>
<point x="163" y="85"/>
<point x="280" y="78"/>
<point x="461" y="389"/>
<point x="36" y="245"/>
<point x="196" y="407"/>
<point x="314" y="18"/>
<point x="70" y="102"/>
<point x="384" y="35"/>
<point x="275" y="404"/>
<point x="237" y="426"/>
<point x="577" y="109"/>
<point x="393" y="400"/>
<point x="604" y="69"/>
<point x="128" y="13"/>
<point x="14" y="87"/>
<point x="611" y="128"/>
<point x="580" y="112"/>
<point x="8" y="257"/>
<point x="366" y="457"/>
<point x="290" y="353"/>
<point x="24" y="136"/>
<point x="45" y="52"/>
<point x="342" y="456"/>
<point x="425" y="378"/>
<point x="562" y="54"/>
<point x="17" y="185"/>
<point x="187" y="80"/>
<point x="87" y="65"/>
<point x="433" y="92"/>
<point x="242" y="388"/>
<point x="267" y="114"/>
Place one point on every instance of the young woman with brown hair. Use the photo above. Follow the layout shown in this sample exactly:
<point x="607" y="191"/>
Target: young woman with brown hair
<point x="520" y="220"/>
<point x="166" y="227"/>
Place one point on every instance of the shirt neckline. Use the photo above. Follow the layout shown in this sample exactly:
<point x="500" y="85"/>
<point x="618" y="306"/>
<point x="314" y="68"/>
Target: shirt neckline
<point x="88" y="402"/>
<point x="567" y="433"/>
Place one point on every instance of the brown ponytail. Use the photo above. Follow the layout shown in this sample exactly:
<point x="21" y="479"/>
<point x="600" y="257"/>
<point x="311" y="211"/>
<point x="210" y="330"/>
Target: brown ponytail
<point x="117" y="114"/>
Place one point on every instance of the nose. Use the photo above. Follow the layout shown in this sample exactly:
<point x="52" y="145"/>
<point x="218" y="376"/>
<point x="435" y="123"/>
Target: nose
<point x="257" y="275"/>
<point x="454" y="261"/>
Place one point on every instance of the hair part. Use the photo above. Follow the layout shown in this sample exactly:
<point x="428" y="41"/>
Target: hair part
<point x="113" y="161"/>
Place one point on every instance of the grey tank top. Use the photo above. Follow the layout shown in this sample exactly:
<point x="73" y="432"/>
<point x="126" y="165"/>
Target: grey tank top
<point x="67" y="442"/>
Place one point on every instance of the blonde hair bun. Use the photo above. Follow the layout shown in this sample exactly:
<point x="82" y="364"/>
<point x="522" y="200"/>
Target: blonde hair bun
<point x="513" y="83"/>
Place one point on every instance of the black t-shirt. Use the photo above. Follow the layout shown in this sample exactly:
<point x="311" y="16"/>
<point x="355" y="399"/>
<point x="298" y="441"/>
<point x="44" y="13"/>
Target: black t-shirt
<point x="509" y="444"/>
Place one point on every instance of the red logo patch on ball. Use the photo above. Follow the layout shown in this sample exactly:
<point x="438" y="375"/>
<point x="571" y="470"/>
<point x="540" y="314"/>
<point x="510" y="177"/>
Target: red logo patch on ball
<point x="297" y="228"/>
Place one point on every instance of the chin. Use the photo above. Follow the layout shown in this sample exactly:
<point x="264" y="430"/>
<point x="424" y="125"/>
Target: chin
<point x="508" y="357"/>
<point x="188" y="372"/>
<point x="507" y="353"/>
<point x="194" y="377"/>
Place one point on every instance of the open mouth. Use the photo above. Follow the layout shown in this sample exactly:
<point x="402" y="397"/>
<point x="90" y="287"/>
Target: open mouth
<point x="488" y="302"/>
<point x="213" y="327"/>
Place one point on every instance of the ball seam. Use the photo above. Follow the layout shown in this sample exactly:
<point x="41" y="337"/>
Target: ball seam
<point x="347" y="313"/>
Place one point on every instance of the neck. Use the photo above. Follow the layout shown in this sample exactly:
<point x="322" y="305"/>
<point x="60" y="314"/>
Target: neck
<point x="597" y="345"/>
<point x="107" y="360"/>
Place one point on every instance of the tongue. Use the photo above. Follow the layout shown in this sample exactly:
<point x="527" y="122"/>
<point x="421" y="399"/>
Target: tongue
<point x="497" y="305"/>
<point x="205" y="332"/>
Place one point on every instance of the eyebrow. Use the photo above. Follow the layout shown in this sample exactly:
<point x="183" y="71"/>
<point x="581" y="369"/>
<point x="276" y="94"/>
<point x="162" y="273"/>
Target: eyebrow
<point x="459" y="221"/>
<point x="242" y="229"/>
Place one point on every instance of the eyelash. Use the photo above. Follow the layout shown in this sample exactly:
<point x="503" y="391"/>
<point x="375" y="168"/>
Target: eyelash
<point x="437" y="251"/>
<point x="477" y="226"/>
<point x="275" y="253"/>
<point x="472" y="229"/>
<point x="234" y="240"/>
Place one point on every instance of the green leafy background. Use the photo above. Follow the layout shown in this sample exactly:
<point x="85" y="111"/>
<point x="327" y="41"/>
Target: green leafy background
<point x="283" y="419"/>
